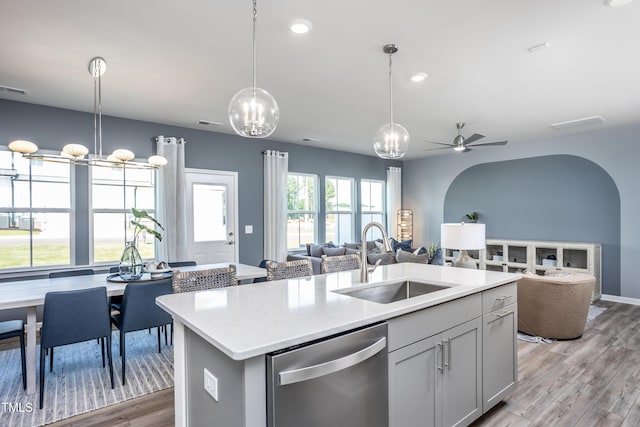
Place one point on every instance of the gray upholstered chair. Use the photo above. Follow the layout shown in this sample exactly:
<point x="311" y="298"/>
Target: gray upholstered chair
<point x="71" y="317"/>
<point x="334" y="264"/>
<point x="176" y="264"/>
<point x="189" y="281"/>
<point x="289" y="269"/>
<point x="11" y="329"/>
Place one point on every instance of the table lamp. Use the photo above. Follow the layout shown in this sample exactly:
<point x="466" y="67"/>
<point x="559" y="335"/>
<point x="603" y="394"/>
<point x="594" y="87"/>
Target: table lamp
<point x="463" y="236"/>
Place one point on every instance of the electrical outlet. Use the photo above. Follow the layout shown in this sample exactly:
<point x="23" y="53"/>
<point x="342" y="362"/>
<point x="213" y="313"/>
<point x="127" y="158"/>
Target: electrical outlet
<point x="211" y="384"/>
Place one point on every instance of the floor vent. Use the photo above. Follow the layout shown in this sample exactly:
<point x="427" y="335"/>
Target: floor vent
<point x="571" y="124"/>
<point x="13" y="90"/>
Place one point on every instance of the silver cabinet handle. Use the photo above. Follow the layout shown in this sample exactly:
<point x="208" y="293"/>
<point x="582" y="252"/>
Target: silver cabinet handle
<point x="322" y="369"/>
<point x="441" y="367"/>
<point x="447" y="343"/>
<point x="501" y="315"/>
<point x="502" y="298"/>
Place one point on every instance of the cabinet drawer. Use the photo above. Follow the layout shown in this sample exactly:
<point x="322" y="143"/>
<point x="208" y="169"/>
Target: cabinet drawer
<point x="498" y="298"/>
<point x="412" y="327"/>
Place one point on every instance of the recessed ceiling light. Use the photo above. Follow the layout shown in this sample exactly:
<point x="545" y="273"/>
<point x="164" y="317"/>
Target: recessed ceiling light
<point x="300" y="26"/>
<point x="538" y="47"/>
<point x="419" y="77"/>
<point x="616" y="3"/>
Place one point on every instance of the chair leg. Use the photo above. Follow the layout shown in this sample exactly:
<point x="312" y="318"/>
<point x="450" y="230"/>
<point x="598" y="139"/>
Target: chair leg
<point x="41" y="376"/>
<point x="123" y="353"/>
<point x="171" y="332"/>
<point x="102" y="350"/>
<point x="159" y="340"/>
<point x="109" y="355"/>
<point x="51" y="359"/>
<point x="166" y="341"/>
<point x="24" y="362"/>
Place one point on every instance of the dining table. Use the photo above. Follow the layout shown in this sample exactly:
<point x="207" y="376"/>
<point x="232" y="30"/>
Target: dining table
<point x="29" y="294"/>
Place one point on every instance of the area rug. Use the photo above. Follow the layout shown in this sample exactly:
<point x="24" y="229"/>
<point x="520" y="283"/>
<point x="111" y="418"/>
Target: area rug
<point x="594" y="311"/>
<point x="79" y="383"/>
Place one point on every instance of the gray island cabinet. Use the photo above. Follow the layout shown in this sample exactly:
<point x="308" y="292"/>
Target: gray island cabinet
<point x="451" y="354"/>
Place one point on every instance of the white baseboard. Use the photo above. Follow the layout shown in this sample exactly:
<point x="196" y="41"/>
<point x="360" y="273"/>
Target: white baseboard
<point x="623" y="300"/>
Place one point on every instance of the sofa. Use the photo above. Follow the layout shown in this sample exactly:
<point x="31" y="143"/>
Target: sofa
<point x="401" y="252"/>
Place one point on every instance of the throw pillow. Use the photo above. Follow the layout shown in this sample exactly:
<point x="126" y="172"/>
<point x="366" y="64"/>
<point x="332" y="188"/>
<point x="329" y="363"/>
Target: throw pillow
<point x="380" y="247"/>
<point x="386" y="258"/>
<point x="404" y="256"/>
<point x="405" y="245"/>
<point x="333" y="251"/>
<point x="351" y="245"/>
<point x="331" y="244"/>
<point x="316" y="250"/>
<point x="437" y="258"/>
<point x="421" y="250"/>
<point x="308" y="249"/>
<point x="349" y="251"/>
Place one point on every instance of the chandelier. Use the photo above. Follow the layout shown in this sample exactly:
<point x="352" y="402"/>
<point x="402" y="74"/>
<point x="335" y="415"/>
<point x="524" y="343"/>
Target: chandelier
<point x="76" y="153"/>
<point x="391" y="141"/>
<point x="253" y="112"/>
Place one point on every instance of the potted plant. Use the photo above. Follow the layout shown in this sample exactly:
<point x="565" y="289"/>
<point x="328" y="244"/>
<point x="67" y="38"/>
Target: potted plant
<point x="131" y="262"/>
<point x="472" y="217"/>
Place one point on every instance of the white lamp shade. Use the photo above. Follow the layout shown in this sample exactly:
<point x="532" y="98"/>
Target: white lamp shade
<point x="23" y="146"/>
<point x="157" y="161"/>
<point x="123" y="155"/>
<point x="75" y="150"/>
<point x="462" y="236"/>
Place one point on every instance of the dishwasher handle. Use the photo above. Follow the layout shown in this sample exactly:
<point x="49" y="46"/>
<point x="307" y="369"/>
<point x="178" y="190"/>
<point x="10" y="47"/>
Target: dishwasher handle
<point x="326" y="368"/>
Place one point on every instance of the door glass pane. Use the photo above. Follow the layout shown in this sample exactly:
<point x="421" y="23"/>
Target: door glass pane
<point x="209" y="212"/>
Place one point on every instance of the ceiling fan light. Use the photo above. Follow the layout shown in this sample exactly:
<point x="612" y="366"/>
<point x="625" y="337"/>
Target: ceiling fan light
<point x="75" y="151"/>
<point x="459" y="147"/>
<point x="123" y="155"/>
<point x="23" y="146"/>
<point x="157" y="161"/>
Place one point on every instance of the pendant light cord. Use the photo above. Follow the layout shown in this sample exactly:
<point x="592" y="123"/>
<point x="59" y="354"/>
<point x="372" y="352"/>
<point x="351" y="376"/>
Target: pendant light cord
<point x="390" y="93"/>
<point x="255" y="14"/>
<point x="97" y="108"/>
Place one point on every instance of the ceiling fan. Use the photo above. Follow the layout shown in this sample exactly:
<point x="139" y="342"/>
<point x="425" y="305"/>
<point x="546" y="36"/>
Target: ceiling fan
<point x="460" y="143"/>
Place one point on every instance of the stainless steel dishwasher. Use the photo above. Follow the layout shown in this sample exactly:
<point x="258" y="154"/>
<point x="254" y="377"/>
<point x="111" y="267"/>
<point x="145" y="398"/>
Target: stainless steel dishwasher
<point x="339" y="381"/>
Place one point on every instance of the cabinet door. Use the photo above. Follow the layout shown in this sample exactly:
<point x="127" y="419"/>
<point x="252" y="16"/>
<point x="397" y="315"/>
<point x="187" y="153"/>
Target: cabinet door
<point x="415" y="376"/>
<point x="499" y="355"/>
<point x="462" y="379"/>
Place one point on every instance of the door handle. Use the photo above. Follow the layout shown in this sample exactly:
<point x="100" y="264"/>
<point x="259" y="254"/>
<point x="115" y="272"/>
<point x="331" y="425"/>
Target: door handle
<point x="322" y="369"/>
<point x="441" y="367"/>
<point x="230" y="242"/>
<point x="447" y="343"/>
<point x="501" y="315"/>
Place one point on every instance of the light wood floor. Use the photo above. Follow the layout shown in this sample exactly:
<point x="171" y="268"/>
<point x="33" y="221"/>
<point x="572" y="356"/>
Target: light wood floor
<point x="592" y="381"/>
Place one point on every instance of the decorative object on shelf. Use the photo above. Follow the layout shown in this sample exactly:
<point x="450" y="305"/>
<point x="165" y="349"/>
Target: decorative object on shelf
<point x="253" y="112"/>
<point x="472" y="217"/>
<point x="463" y="236"/>
<point x="75" y="153"/>
<point x="391" y="141"/>
<point x="405" y="224"/>
<point x="131" y="267"/>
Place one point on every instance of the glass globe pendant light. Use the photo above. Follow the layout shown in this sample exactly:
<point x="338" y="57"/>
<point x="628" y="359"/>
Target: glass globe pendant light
<point x="391" y="141"/>
<point x="253" y="112"/>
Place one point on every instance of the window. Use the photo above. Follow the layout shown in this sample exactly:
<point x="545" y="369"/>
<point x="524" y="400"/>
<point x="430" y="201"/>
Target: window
<point x="302" y="211"/>
<point x="372" y="205"/>
<point x="339" y="209"/>
<point x="114" y="191"/>
<point x="35" y="213"/>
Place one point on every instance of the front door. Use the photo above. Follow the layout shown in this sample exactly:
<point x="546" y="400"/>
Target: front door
<point x="211" y="201"/>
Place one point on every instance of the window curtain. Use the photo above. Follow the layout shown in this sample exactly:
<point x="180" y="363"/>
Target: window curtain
<point x="276" y="167"/>
<point x="171" y="209"/>
<point x="394" y="199"/>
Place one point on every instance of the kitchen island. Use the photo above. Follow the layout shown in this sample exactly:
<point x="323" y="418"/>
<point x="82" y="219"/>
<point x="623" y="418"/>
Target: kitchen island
<point x="229" y="331"/>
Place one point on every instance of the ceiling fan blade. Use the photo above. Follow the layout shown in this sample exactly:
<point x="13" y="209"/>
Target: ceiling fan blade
<point x="439" y="148"/>
<point x="491" y="143"/>
<point x="441" y="143"/>
<point x="466" y="149"/>
<point x="472" y="138"/>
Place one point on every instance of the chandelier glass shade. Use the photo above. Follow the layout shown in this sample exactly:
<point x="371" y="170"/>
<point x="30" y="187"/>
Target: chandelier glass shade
<point x="253" y="112"/>
<point x="75" y="153"/>
<point x="391" y="141"/>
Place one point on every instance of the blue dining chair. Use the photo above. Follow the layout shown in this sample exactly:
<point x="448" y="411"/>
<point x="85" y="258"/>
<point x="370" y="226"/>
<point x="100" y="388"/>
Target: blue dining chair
<point x="11" y="329"/>
<point x="71" y="317"/>
<point x="175" y="264"/>
<point x="139" y="311"/>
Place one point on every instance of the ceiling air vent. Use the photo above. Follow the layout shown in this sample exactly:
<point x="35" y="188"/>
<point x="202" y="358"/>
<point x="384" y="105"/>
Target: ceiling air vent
<point x="12" y="90"/>
<point x="571" y="124"/>
<point x="209" y="123"/>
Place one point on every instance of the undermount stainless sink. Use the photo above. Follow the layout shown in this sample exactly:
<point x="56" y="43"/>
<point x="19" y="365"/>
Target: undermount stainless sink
<point x="391" y="292"/>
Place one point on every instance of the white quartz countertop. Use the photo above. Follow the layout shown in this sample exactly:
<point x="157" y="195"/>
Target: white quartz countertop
<point x="250" y="320"/>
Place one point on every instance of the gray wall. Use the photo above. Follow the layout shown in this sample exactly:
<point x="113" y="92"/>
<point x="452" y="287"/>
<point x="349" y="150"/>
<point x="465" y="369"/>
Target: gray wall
<point x="566" y="198"/>
<point x="50" y="128"/>
<point x="616" y="150"/>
